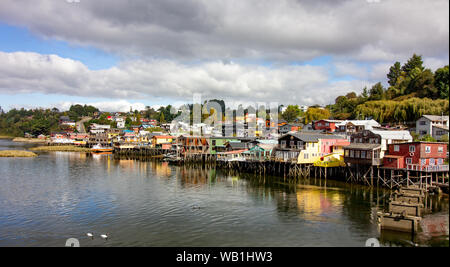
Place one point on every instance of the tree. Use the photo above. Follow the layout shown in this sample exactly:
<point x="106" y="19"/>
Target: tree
<point x="377" y="92"/>
<point x="291" y="113"/>
<point x="414" y="62"/>
<point x="161" y="118"/>
<point x="313" y="114"/>
<point x="394" y="73"/>
<point x="441" y="81"/>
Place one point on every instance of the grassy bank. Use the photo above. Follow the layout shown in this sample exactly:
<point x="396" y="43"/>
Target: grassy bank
<point x="29" y="140"/>
<point x="61" y="149"/>
<point x="16" y="153"/>
<point x="6" y="137"/>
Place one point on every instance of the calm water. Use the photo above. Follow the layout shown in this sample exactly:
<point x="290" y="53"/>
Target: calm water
<point x="45" y="200"/>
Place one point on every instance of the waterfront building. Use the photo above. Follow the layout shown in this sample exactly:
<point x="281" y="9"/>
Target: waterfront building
<point x="382" y="137"/>
<point x="436" y="126"/>
<point x="417" y="156"/>
<point x="160" y="141"/>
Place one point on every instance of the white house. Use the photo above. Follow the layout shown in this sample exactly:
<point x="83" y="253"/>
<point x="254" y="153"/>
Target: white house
<point x="436" y="126"/>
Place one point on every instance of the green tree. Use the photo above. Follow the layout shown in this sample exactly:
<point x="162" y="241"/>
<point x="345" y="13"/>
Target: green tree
<point x="414" y="62"/>
<point x="441" y="81"/>
<point x="291" y="113"/>
<point x="394" y="73"/>
<point x="377" y="92"/>
<point x="313" y="114"/>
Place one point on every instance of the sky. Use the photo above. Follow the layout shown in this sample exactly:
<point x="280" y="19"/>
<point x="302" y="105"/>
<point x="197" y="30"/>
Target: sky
<point x="117" y="54"/>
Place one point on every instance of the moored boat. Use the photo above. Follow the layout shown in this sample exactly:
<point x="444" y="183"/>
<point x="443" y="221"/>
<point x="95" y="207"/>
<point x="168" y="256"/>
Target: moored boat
<point x="101" y="149"/>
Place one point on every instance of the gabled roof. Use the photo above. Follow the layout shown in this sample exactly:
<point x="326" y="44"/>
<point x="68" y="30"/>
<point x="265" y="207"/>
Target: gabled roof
<point x="363" y="146"/>
<point x="435" y="117"/>
<point x="313" y="137"/>
<point x="398" y="135"/>
<point x="366" y="123"/>
<point x="237" y="145"/>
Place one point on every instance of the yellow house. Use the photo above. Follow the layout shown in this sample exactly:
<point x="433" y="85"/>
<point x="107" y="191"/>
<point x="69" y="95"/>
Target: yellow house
<point x="310" y="153"/>
<point x="158" y="140"/>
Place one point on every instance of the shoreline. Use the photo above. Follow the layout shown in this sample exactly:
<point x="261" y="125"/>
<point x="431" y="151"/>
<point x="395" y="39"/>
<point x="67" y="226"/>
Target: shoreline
<point x="28" y="140"/>
<point x="67" y="148"/>
<point x="17" y="154"/>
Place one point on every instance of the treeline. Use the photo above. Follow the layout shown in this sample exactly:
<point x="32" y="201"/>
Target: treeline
<point x="413" y="91"/>
<point x="37" y="121"/>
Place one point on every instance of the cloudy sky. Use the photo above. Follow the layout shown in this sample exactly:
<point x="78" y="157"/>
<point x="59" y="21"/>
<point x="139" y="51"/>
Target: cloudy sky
<point x="118" y="53"/>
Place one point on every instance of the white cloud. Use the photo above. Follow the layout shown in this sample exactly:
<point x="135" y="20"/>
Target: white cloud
<point x="120" y="106"/>
<point x="24" y="72"/>
<point x="286" y="30"/>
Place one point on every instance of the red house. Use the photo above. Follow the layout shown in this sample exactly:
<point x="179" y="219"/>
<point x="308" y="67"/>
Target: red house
<point x="420" y="156"/>
<point x="326" y="125"/>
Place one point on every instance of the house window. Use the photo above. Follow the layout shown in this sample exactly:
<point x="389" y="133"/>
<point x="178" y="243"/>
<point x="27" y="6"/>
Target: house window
<point x="440" y="149"/>
<point x="423" y="161"/>
<point x="352" y="154"/>
<point x="363" y="154"/>
<point x="423" y="132"/>
<point x="431" y="161"/>
<point x="423" y="123"/>
<point x="214" y="142"/>
<point x="440" y="161"/>
<point x="428" y="149"/>
<point x="376" y="154"/>
<point x="408" y="160"/>
<point x="305" y="156"/>
<point x="357" y="154"/>
<point x="283" y="143"/>
<point x="346" y="153"/>
<point x="412" y="149"/>
<point x="396" y="148"/>
<point x="292" y="144"/>
<point x="369" y="154"/>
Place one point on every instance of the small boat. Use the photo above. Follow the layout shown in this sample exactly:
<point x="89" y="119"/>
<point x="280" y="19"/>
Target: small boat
<point x="101" y="149"/>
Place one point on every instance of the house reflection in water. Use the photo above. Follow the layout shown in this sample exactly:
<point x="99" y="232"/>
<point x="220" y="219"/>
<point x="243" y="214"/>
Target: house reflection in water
<point x="192" y="177"/>
<point x="313" y="202"/>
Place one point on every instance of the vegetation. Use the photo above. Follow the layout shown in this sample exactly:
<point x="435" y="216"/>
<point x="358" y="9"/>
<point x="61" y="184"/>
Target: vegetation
<point x="16" y="153"/>
<point x="413" y="91"/>
<point x="68" y="148"/>
<point x="34" y="121"/>
<point x="291" y="113"/>
<point x="313" y="114"/>
<point x="77" y="111"/>
<point x="28" y="140"/>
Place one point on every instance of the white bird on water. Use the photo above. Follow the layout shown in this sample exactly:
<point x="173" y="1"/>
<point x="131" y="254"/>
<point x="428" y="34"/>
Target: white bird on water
<point x="104" y="236"/>
<point x="91" y="235"/>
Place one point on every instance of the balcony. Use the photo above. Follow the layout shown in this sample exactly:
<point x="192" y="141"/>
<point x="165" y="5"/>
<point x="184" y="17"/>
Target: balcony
<point x="427" y="168"/>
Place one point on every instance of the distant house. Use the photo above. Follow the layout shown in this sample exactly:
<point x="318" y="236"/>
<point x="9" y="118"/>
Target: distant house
<point x="349" y="127"/>
<point x="98" y="128"/>
<point x="326" y="125"/>
<point x="290" y="127"/>
<point x="159" y="140"/>
<point x="436" y="126"/>
<point x="423" y="156"/>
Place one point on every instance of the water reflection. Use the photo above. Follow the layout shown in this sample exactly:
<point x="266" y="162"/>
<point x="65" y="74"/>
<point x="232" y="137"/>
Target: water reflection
<point x="149" y="203"/>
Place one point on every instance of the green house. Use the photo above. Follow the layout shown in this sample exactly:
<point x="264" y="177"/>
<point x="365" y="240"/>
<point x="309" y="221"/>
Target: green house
<point x="259" y="152"/>
<point x="218" y="144"/>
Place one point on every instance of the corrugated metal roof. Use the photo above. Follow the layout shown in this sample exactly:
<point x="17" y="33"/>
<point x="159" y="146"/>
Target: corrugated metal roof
<point x="399" y="135"/>
<point x="314" y="137"/>
<point x="435" y="117"/>
<point x="363" y="146"/>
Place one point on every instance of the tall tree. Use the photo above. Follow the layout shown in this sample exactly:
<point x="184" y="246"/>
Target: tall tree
<point x="441" y="81"/>
<point x="414" y="62"/>
<point x="291" y="113"/>
<point x="394" y="73"/>
<point x="376" y="92"/>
